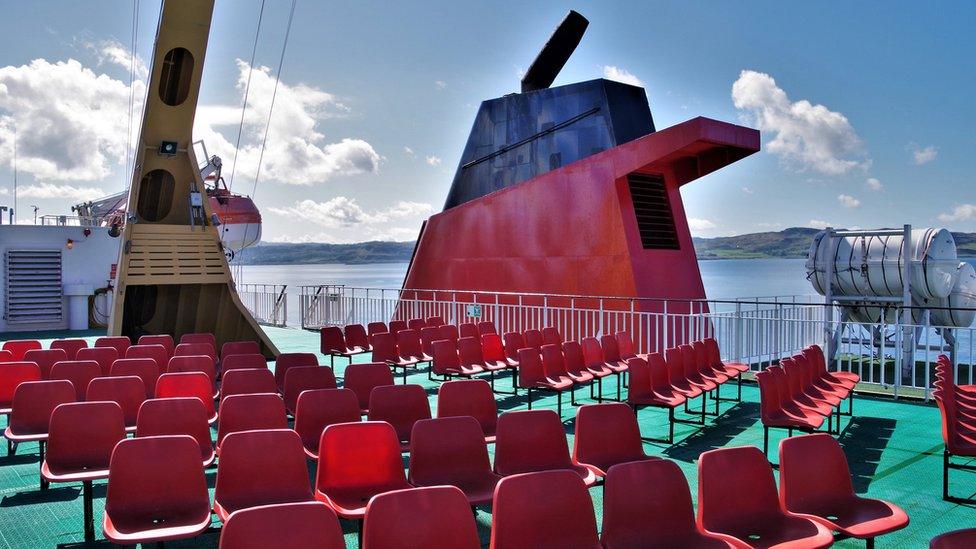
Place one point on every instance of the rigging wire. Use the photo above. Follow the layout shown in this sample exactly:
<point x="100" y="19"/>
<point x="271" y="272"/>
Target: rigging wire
<point x="132" y="77"/>
<point x="247" y="89"/>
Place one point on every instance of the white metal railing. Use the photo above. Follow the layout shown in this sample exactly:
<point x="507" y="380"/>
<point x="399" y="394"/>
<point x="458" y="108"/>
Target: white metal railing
<point x="268" y="303"/>
<point x="757" y="331"/>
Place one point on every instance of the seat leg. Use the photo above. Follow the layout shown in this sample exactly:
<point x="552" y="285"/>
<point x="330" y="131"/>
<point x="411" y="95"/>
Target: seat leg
<point x="869" y="543"/>
<point x="559" y="404"/>
<point x="620" y="382"/>
<point x="739" y="383"/>
<point x="945" y="475"/>
<point x="572" y="395"/>
<point x="332" y="361"/>
<point x="44" y="483"/>
<point x="11" y="448"/>
<point x="529" y="391"/>
<point x="88" y="514"/>
<point x="670" y="425"/>
<point x="766" y="441"/>
<point x="717" y="397"/>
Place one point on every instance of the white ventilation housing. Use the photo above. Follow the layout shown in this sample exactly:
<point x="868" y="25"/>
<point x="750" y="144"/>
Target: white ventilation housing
<point x="33" y="287"/>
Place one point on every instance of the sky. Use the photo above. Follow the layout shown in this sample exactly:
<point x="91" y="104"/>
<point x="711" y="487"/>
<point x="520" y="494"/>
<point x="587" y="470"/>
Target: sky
<point x="866" y="108"/>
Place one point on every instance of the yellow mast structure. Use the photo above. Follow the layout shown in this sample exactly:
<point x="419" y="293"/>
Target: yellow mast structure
<point x="173" y="277"/>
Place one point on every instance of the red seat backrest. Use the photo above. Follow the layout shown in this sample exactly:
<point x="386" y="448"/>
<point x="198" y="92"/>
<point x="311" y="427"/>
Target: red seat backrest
<point x="812" y="468"/>
<point x="740" y="475"/>
<point x="165" y="340"/>
<point x="533" y="338"/>
<point x="447" y="450"/>
<point x="551" y="336"/>
<point x="82" y="436"/>
<point x="435" y="321"/>
<point x="487" y="327"/>
<point x="573" y="355"/>
<point x="607" y="434"/>
<point x="553" y="363"/>
<point x="318" y="408"/>
<point x="450" y="332"/>
<point x="199" y="337"/>
<point x="143" y="368"/>
<point x="235" y="362"/>
<point x="331" y="340"/>
<point x="359" y="459"/>
<point x="362" y="378"/>
<point x="399" y="405"/>
<point x="435" y="516"/>
<point x="250" y="412"/>
<point x="104" y="356"/>
<point x="193" y="349"/>
<point x="408" y="344"/>
<point x="660" y="377"/>
<point x="513" y="343"/>
<point x="530" y="440"/>
<point x="176" y="416"/>
<point x="469" y="351"/>
<point x="246" y="382"/>
<point x="78" y="372"/>
<point x="446" y="357"/>
<point x="645" y="500"/>
<point x="6" y="356"/>
<point x="384" y="347"/>
<point x="428" y="335"/>
<point x="611" y="353"/>
<point x="18" y="347"/>
<point x="239" y="348"/>
<point x="33" y="403"/>
<point x="45" y="359"/>
<point x="397" y="325"/>
<point x="13" y="374"/>
<point x="261" y="468"/>
<point x="119" y="343"/>
<point x="187" y="384"/>
<point x="129" y="392"/>
<point x="625" y="345"/>
<point x="304" y="378"/>
<point x="592" y="352"/>
<point x="416" y="323"/>
<point x="468" y="329"/>
<point x="69" y="346"/>
<point x="547" y="509"/>
<point x="356" y="336"/>
<point x="469" y="397"/>
<point x="292" y="360"/>
<point x="155" y="351"/>
<point x="193" y="363"/>
<point x="530" y="369"/>
<point x="156" y="479"/>
<point x="492" y="349"/>
<point x="302" y="524"/>
<point x="675" y="362"/>
<point x="374" y="328"/>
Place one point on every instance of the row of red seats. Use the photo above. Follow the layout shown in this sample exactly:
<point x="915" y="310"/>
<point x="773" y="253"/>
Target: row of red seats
<point x="957" y="406"/>
<point x="15" y="350"/>
<point x="799" y="394"/>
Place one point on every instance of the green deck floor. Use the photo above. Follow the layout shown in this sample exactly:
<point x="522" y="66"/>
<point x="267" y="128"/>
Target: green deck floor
<point x="894" y="449"/>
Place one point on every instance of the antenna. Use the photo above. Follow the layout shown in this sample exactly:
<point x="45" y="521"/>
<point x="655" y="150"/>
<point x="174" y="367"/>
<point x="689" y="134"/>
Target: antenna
<point x="555" y="53"/>
<point x="35" y="213"/>
<point x="16" y="206"/>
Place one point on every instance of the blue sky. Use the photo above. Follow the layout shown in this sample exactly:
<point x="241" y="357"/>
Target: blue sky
<point x="866" y="108"/>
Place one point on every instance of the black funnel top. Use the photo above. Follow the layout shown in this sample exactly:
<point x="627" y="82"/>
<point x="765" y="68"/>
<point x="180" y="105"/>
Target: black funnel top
<point x="555" y="53"/>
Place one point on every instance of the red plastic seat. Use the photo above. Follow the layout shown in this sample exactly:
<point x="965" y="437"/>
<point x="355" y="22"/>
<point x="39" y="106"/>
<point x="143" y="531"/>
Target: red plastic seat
<point x="717" y="369"/>
<point x="239" y="362"/>
<point x="374" y="328"/>
<point x="156" y="491"/>
<point x="199" y="337"/>
<point x="45" y="359"/>
<point x="471" y="356"/>
<point x="80" y="441"/>
<point x="487" y="327"/>
<point x="428" y="335"/>
<point x="165" y="340"/>
<point x="693" y="375"/>
<point x="469" y="397"/>
<point x="534" y="440"/>
<point x="332" y="344"/>
<point x="647" y="504"/>
<point x="715" y="356"/>
<point x="18" y="347"/>
<point x="263" y="467"/>
<point x="677" y="377"/>
<point x="397" y="325"/>
<point x="128" y="392"/>
<point x="513" y="342"/>
<point x="155" y="352"/>
<point x="737" y="497"/>
<point x="31" y="409"/>
<point x="69" y="346"/>
<point x="188" y="384"/>
<point x="606" y="434"/>
<point x="434" y="321"/>
<point x="777" y="410"/>
<point x="533" y="339"/>
<point x="356" y="462"/>
<point x="452" y="451"/>
<point x="468" y="329"/>
<point x="248" y="413"/>
<point x="13" y="374"/>
<point x="78" y="372"/>
<point x="650" y="386"/>
<point x="554" y="365"/>
<point x="119" y="343"/>
<point x="551" y="509"/>
<point x="239" y="348"/>
<point x="450" y="332"/>
<point x="193" y="349"/>
<point x="625" y="345"/>
<point x="177" y="416"/>
<point x="531" y="375"/>
<point x="447" y="361"/>
<point x="596" y="365"/>
<point x="385" y="350"/>
<point x="356" y="338"/>
<point x="6" y="356"/>
<point x="493" y="352"/>
<point x="305" y="378"/>
<point x="361" y="379"/>
<point x="611" y="354"/>
<point x="410" y="347"/>
<point x="815" y="482"/>
<point x="436" y="516"/>
<point x="283" y="526"/>
<point x="143" y="368"/>
<point x="957" y="539"/>
<point x="816" y="357"/>
<point x="194" y="363"/>
<point x="401" y="406"/>
<point x="551" y="336"/>
<point x="291" y="360"/>
<point x="319" y="408"/>
<point x="104" y="356"/>
<point x="246" y="382"/>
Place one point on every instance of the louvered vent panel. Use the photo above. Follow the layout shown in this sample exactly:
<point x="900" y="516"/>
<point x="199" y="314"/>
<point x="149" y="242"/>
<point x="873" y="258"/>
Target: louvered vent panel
<point x="33" y="282"/>
<point x="653" y="209"/>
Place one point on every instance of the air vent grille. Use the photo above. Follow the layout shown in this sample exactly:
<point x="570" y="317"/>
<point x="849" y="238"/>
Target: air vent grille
<point x="33" y="282"/>
<point x="653" y="209"/>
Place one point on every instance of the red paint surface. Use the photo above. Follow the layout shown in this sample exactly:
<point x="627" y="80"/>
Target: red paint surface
<point x="573" y="230"/>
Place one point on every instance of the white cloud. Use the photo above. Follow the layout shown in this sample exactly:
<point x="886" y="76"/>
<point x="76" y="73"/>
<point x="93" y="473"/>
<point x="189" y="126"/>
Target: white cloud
<point x="819" y="223"/>
<point x="434" y="160"/>
<point x="51" y="190"/>
<point x="874" y="184"/>
<point x="805" y="135"/>
<point x="698" y="225"/>
<point x="848" y="201"/>
<point x="297" y="152"/>
<point x="400" y="221"/>
<point x="923" y="155"/>
<point x="114" y="53"/>
<point x="961" y="212"/>
<point x="440" y="84"/>
<point x="621" y="75"/>
<point x="748" y="190"/>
